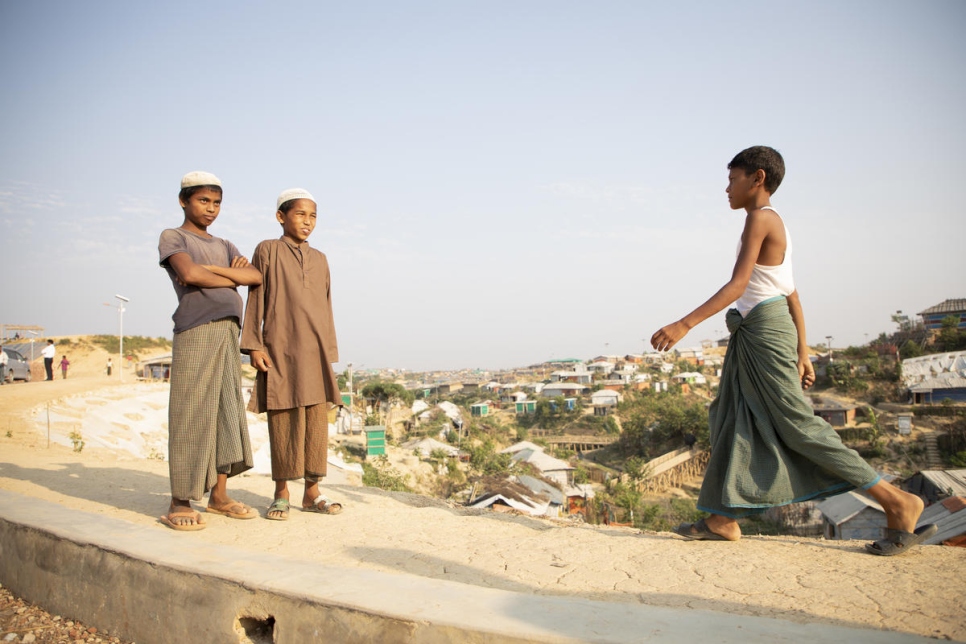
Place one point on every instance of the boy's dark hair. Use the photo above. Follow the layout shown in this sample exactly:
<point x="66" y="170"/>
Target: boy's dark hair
<point x="761" y="157"/>
<point x="186" y="193"/>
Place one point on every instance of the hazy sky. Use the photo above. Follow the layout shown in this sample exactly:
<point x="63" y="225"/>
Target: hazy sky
<point x="499" y="183"/>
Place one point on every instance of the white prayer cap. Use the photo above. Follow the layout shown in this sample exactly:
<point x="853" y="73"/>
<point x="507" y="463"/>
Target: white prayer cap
<point x="293" y="193"/>
<point x="199" y="178"/>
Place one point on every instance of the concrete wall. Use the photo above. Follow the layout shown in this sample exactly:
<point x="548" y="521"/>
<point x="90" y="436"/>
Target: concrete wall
<point x="153" y="585"/>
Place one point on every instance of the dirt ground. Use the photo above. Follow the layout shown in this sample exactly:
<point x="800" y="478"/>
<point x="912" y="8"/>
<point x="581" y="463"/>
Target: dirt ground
<point x="798" y="579"/>
<point x="24" y="621"/>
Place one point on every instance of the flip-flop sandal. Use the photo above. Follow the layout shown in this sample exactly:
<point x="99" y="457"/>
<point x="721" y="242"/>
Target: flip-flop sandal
<point x="249" y="513"/>
<point x="281" y="506"/>
<point x="897" y="542"/>
<point x="323" y="505"/>
<point x="183" y="527"/>
<point x="697" y="531"/>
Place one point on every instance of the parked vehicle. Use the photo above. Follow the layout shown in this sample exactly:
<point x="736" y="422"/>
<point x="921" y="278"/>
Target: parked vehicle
<point x="17" y="366"/>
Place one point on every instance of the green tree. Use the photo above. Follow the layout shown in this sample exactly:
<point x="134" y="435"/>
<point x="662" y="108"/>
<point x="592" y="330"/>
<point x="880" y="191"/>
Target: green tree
<point x="636" y="468"/>
<point x="380" y="393"/>
<point x="484" y="458"/>
<point x="910" y="349"/>
<point x="657" y="423"/>
<point x="950" y="337"/>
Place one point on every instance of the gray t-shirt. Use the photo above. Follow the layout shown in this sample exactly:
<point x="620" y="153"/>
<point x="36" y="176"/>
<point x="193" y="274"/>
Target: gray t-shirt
<point x="197" y="306"/>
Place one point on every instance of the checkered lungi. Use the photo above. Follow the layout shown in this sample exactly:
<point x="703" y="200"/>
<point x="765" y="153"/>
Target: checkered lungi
<point x="299" y="440"/>
<point x="207" y="428"/>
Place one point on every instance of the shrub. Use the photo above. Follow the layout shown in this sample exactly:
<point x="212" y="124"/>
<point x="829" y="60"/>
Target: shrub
<point x="381" y="475"/>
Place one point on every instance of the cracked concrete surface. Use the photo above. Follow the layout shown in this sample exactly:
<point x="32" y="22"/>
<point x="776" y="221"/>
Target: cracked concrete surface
<point x="789" y="578"/>
<point x="801" y="580"/>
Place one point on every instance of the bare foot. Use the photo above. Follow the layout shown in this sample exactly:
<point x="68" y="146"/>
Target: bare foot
<point x="314" y="500"/>
<point x="904" y="513"/>
<point x="231" y="508"/>
<point x="278" y="510"/>
<point x="181" y="516"/>
<point x="902" y="509"/>
<point x="724" y="526"/>
<point x="312" y="492"/>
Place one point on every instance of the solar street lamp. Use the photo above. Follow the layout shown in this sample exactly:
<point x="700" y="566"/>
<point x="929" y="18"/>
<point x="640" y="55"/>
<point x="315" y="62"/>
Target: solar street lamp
<point x="120" y="335"/>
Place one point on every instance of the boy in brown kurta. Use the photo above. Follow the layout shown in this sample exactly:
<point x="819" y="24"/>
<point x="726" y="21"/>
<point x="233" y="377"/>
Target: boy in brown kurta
<point x="290" y="335"/>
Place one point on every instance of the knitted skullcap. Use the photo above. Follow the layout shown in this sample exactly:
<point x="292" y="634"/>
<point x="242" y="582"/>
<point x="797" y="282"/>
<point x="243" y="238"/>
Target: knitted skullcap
<point x="199" y="178"/>
<point x="293" y="193"/>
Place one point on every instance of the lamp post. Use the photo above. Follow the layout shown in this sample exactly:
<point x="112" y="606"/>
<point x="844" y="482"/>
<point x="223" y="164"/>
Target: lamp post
<point x="351" y="398"/>
<point x="828" y="339"/>
<point x="120" y="335"/>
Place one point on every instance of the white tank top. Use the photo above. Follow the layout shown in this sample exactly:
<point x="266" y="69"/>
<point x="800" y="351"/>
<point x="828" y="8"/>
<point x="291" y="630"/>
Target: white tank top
<point x="768" y="282"/>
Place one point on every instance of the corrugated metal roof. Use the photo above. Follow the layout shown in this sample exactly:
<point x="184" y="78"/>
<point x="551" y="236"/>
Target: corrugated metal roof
<point x="542" y="487"/>
<point x="571" y="386"/>
<point x="949" y="306"/>
<point x="525" y="505"/>
<point x="517" y="447"/>
<point x="951" y="523"/>
<point x="542" y="461"/>
<point x="839" y="509"/>
<point x="942" y="381"/>
<point x="952" y="480"/>
<point x="831" y="405"/>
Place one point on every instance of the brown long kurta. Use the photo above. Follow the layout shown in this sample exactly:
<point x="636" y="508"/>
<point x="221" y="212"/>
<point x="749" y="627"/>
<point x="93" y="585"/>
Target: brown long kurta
<point x="289" y="317"/>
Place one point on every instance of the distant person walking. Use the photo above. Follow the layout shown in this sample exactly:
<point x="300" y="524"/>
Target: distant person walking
<point x="3" y="365"/>
<point x="290" y="334"/>
<point x="110" y="366"/>
<point x="48" y="353"/>
<point x="64" y="364"/>
<point x="768" y="448"/>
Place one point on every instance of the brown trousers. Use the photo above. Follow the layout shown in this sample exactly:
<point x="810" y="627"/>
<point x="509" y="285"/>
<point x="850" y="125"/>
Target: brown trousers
<point x="299" y="441"/>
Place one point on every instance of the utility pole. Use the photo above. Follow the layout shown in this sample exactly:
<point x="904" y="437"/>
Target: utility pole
<point x="120" y="335"/>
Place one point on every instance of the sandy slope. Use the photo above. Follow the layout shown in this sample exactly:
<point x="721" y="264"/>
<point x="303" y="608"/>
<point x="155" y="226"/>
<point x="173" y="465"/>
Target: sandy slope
<point x="791" y="578"/>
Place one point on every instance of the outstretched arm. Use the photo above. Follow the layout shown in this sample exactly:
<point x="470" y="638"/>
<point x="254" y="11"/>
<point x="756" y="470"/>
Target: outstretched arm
<point x="756" y="229"/>
<point x="806" y="372"/>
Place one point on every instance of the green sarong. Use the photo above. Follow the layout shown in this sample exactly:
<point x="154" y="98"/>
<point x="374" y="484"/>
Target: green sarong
<point x="768" y="447"/>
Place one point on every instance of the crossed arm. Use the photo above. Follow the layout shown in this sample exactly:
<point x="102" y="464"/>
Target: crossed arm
<point x="240" y="273"/>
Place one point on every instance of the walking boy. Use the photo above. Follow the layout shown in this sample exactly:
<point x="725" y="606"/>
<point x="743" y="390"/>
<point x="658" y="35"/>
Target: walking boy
<point x="290" y="334"/>
<point x="207" y="430"/>
<point x="767" y="446"/>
